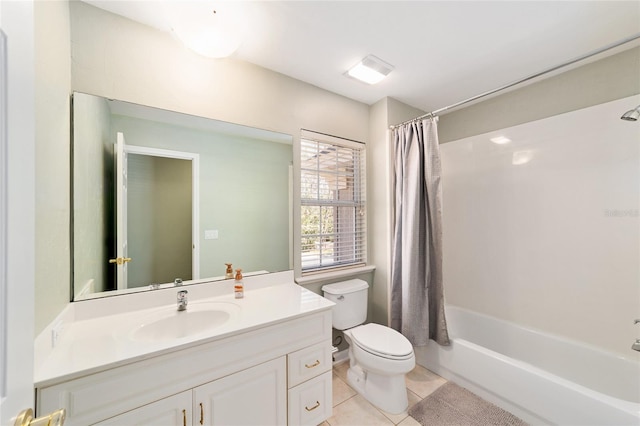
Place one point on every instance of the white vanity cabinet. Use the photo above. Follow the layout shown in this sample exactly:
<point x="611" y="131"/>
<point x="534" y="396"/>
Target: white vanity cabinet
<point x="255" y="396"/>
<point x="274" y="374"/>
<point x="175" y="410"/>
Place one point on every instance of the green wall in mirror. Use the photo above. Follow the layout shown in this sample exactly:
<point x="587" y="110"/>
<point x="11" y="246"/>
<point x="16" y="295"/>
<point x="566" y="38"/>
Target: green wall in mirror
<point x="242" y="188"/>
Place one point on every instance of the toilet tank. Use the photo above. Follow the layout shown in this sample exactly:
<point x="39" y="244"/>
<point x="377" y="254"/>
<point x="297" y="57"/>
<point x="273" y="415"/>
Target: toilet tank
<point x="350" y="298"/>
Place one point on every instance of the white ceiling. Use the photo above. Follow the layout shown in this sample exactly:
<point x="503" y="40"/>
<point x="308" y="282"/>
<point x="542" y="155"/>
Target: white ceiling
<point x="442" y="51"/>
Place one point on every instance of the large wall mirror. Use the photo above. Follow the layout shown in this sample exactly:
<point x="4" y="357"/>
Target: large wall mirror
<point x="159" y="195"/>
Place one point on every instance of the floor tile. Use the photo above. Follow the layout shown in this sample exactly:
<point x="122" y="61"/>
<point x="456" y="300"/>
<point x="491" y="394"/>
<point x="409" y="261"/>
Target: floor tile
<point x="341" y="390"/>
<point x="413" y="399"/>
<point x="397" y="418"/>
<point x="423" y="382"/>
<point x="351" y="409"/>
<point x="409" y="421"/>
<point x="341" y="371"/>
<point x="357" y="411"/>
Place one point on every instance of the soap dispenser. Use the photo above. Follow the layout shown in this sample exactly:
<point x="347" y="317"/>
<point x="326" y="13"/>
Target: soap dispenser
<point x="228" y="274"/>
<point x="238" y="287"/>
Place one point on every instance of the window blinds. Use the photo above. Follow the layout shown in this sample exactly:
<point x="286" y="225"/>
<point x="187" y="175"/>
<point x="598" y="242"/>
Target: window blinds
<point x="333" y="213"/>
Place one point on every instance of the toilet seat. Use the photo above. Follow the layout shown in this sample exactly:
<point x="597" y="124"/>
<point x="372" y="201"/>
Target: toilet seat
<point x="382" y="341"/>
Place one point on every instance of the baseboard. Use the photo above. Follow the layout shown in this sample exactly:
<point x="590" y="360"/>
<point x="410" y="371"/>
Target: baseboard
<point x="340" y="357"/>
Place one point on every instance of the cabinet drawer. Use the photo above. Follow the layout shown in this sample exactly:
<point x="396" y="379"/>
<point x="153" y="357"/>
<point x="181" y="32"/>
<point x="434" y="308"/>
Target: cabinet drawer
<point x="311" y="402"/>
<point x="308" y="362"/>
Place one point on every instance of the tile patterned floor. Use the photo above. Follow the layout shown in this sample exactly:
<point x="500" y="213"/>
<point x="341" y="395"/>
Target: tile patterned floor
<point x="351" y="409"/>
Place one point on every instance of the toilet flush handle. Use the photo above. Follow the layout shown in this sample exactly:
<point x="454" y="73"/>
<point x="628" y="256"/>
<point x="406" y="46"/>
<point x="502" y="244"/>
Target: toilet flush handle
<point x="341" y="297"/>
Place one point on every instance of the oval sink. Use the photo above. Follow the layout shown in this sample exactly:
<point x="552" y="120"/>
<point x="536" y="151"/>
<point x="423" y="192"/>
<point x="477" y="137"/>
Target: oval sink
<point x="171" y="324"/>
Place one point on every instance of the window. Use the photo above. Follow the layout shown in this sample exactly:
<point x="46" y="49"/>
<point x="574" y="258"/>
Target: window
<point x="332" y="197"/>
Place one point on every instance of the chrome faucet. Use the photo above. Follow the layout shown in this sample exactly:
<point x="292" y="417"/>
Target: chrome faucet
<point x="636" y="345"/>
<point x="177" y="282"/>
<point x="182" y="300"/>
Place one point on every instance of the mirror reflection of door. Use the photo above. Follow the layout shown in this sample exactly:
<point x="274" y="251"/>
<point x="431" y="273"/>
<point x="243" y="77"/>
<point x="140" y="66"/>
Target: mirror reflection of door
<point x="158" y="219"/>
<point x="155" y="206"/>
<point x="121" y="260"/>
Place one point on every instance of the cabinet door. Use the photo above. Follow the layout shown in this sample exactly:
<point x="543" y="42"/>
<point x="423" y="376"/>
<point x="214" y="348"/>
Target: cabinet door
<point x="255" y="396"/>
<point x="172" y="411"/>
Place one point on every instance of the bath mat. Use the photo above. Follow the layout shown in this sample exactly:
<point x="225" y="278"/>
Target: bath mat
<point x="452" y="405"/>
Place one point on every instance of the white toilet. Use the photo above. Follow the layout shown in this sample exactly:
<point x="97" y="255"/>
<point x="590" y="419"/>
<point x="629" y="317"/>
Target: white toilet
<point x="379" y="356"/>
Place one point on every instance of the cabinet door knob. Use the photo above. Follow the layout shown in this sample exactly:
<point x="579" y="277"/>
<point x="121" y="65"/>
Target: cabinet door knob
<point x="184" y="417"/>
<point x="312" y="408"/>
<point x="25" y="418"/>
<point x="201" y="414"/>
<point x="315" y="364"/>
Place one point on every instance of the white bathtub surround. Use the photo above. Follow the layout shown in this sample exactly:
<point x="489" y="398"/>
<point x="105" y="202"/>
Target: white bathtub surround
<point x="539" y="377"/>
<point x="417" y="295"/>
<point x="544" y="230"/>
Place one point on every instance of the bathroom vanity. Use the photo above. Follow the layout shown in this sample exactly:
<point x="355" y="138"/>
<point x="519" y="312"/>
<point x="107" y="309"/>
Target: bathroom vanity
<point x="264" y="359"/>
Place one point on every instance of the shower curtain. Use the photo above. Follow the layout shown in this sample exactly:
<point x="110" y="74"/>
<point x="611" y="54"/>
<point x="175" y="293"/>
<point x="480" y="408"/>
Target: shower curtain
<point x="417" y="295"/>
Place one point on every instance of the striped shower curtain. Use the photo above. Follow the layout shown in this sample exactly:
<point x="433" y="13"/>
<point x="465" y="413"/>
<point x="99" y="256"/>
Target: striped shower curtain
<point x="417" y="295"/>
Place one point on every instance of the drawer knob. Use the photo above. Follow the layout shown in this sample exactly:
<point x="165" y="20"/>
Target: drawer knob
<point x="315" y="364"/>
<point x="312" y="408"/>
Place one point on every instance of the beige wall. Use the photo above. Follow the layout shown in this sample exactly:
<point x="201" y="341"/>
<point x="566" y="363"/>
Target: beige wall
<point x="52" y="88"/>
<point x="131" y="62"/>
<point x="384" y="113"/>
<point x="611" y="78"/>
<point x="118" y="58"/>
<point x="378" y="172"/>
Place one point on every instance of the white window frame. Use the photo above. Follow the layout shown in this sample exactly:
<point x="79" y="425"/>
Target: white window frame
<point x="360" y="201"/>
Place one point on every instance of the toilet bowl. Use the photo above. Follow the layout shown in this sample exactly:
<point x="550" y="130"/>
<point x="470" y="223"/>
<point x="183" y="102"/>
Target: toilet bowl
<point x="377" y="370"/>
<point x="379" y="356"/>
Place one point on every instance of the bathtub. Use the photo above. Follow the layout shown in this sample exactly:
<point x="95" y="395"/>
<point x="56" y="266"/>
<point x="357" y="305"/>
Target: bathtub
<point x="541" y="378"/>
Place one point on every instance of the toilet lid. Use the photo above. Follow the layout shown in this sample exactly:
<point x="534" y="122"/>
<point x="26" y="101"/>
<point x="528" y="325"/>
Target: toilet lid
<point x="381" y="340"/>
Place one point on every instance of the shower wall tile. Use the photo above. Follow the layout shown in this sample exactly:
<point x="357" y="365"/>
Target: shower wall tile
<point x="544" y="230"/>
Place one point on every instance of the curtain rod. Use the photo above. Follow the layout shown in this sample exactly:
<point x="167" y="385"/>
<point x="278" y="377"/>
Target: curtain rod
<point x="434" y="113"/>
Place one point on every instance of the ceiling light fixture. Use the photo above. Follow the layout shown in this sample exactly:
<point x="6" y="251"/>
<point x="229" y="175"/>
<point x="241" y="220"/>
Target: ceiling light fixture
<point x="214" y="33"/>
<point x="370" y="70"/>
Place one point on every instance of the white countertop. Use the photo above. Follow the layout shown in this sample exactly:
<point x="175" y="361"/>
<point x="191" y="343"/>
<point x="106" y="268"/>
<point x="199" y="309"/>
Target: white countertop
<point x="89" y="344"/>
